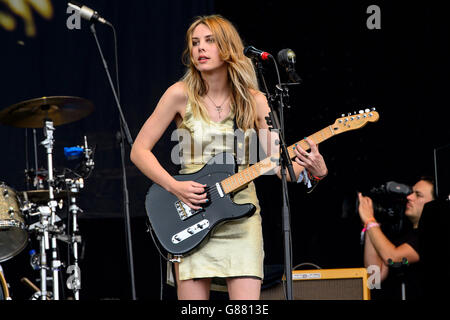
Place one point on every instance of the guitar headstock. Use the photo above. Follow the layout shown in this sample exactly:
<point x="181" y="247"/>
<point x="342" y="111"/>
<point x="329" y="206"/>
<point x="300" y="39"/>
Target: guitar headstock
<point x="355" y="121"/>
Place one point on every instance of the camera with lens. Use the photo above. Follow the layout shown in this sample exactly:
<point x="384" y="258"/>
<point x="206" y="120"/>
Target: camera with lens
<point x="389" y="201"/>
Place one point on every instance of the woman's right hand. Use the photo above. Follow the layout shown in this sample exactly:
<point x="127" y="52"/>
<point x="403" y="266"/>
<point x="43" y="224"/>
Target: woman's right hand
<point x="190" y="192"/>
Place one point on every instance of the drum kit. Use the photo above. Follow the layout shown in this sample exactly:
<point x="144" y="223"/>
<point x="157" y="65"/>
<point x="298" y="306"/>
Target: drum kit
<point x="33" y="213"/>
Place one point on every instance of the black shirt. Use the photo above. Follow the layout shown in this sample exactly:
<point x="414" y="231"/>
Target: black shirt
<point x="409" y="274"/>
<point x="434" y="249"/>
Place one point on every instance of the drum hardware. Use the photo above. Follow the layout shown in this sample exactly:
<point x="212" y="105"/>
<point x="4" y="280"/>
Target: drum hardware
<point x="37" y="293"/>
<point x="46" y="113"/>
<point x="36" y="177"/>
<point x="41" y="196"/>
<point x="82" y="157"/>
<point x="74" y="281"/>
<point x="4" y="289"/>
<point x="56" y="263"/>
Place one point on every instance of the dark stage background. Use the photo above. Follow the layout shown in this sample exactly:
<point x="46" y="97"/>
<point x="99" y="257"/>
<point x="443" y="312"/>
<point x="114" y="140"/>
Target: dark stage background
<point x="401" y="70"/>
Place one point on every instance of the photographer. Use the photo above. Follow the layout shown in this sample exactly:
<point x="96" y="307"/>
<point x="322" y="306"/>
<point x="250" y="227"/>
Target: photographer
<point x="381" y="251"/>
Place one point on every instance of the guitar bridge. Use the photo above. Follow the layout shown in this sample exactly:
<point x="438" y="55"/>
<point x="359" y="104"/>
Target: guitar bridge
<point x="189" y="232"/>
<point x="184" y="211"/>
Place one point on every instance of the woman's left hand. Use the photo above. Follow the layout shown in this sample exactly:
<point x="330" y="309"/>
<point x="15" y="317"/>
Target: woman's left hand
<point x="312" y="161"/>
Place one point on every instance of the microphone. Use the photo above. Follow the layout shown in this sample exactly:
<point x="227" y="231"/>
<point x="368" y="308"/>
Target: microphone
<point x="287" y="59"/>
<point x="87" y="13"/>
<point x="252" y="52"/>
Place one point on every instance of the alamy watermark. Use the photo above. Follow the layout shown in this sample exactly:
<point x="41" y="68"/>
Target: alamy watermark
<point x="374" y="279"/>
<point x="74" y="19"/>
<point x="374" y="20"/>
<point x="194" y="147"/>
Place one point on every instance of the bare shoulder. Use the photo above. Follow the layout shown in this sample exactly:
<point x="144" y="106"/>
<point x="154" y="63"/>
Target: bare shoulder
<point x="262" y="106"/>
<point x="178" y="89"/>
<point x="259" y="97"/>
<point x="176" y="95"/>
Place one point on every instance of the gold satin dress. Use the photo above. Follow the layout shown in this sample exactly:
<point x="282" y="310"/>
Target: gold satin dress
<point x="234" y="248"/>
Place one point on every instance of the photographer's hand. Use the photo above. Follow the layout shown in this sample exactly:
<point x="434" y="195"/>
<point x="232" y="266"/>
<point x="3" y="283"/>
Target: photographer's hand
<point x="365" y="209"/>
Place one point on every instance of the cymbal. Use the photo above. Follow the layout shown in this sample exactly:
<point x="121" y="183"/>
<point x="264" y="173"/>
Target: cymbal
<point x="32" y="113"/>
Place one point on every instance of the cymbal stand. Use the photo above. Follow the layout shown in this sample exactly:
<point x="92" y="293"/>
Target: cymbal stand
<point x="56" y="263"/>
<point x="74" y="281"/>
<point x="43" y="238"/>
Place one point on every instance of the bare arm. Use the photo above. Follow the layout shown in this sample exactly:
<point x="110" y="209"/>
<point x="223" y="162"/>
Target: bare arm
<point x="171" y="103"/>
<point x="152" y="130"/>
<point x="384" y="248"/>
<point x="371" y="258"/>
<point x="387" y="250"/>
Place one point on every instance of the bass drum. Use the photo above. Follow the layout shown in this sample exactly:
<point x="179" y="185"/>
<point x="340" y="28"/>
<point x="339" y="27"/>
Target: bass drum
<point x="13" y="231"/>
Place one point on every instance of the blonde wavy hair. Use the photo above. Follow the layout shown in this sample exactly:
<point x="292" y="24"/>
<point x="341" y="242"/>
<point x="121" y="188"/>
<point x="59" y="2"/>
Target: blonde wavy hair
<point x="241" y="73"/>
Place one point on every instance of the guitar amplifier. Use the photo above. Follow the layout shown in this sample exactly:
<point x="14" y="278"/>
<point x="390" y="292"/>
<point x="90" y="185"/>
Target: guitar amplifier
<point x="323" y="284"/>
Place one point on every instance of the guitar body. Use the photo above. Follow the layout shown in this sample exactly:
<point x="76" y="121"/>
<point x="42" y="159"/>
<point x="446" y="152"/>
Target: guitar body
<point x="180" y="229"/>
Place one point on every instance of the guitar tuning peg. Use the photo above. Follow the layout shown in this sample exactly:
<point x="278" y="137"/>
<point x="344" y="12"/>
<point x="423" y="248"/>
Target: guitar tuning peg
<point x="342" y="115"/>
<point x="373" y="109"/>
<point x="361" y="111"/>
<point x="367" y="110"/>
<point x="349" y="114"/>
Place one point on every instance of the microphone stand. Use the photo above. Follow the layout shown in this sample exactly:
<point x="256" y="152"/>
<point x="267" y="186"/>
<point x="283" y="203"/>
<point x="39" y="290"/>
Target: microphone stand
<point x="285" y="163"/>
<point x="124" y="133"/>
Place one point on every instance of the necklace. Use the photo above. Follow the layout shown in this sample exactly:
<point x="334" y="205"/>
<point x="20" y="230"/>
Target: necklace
<point x="218" y="107"/>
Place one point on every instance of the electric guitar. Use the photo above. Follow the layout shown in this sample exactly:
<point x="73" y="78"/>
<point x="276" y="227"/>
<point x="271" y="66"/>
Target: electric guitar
<point x="181" y="229"/>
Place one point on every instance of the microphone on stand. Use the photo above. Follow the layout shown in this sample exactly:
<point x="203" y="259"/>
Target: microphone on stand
<point x="91" y="15"/>
<point x="252" y="52"/>
<point x="287" y="59"/>
<point x="87" y="13"/>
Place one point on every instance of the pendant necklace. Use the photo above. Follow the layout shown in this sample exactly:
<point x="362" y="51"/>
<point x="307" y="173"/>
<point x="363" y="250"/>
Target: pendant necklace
<point x="218" y="107"/>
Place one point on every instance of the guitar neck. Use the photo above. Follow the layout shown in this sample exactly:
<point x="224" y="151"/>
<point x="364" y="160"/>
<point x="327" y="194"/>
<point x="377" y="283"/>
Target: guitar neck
<point x="249" y="174"/>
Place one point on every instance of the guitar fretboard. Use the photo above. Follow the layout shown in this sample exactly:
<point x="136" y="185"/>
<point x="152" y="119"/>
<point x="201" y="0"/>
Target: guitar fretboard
<point x="249" y="174"/>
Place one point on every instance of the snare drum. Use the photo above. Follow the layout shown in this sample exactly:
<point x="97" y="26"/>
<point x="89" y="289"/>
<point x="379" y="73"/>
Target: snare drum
<point x="13" y="232"/>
